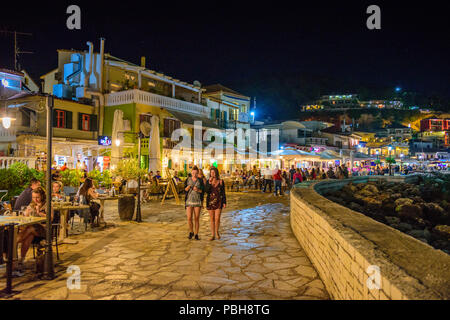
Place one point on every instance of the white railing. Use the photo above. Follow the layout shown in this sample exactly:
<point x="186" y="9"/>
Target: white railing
<point x="143" y="97"/>
<point x="7" y="134"/>
<point x="6" y="162"/>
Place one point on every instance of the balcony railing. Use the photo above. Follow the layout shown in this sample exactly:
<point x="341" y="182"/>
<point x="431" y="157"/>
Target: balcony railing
<point x="6" y="162"/>
<point x="7" y="134"/>
<point x="151" y="99"/>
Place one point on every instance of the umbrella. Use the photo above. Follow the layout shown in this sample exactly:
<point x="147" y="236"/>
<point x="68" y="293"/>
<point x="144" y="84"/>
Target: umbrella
<point x="154" y="146"/>
<point x="116" y="130"/>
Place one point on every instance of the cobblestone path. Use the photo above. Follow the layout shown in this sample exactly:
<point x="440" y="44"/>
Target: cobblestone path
<point x="258" y="257"/>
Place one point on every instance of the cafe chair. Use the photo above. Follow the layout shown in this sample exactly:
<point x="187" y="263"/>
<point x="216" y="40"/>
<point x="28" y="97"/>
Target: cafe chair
<point x="55" y="233"/>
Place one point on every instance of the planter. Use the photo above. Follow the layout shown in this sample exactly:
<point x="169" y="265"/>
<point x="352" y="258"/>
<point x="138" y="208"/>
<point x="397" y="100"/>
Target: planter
<point x="126" y="207"/>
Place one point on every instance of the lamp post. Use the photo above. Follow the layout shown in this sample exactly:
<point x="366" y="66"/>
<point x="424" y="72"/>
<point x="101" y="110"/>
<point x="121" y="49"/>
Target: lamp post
<point x="390" y="165"/>
<point x="138" y="208"/>
<point x="401" y="162"/>
<point x="48" y="263"/>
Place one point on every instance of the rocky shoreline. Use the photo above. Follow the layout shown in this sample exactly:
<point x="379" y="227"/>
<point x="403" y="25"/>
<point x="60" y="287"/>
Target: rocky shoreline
<point x="420" y="210"/>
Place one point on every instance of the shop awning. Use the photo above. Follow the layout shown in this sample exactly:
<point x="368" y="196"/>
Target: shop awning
<point x="189" y="119"/>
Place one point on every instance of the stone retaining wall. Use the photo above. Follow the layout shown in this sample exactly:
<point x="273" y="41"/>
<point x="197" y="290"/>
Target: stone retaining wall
<point x="342" y="244"/>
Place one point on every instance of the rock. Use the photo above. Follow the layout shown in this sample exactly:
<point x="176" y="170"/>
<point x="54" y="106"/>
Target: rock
<point x="419" y="222"/>
<point x="427" y="234"/>
<point x="396" y="196"/>
<point x="443" y="231"/>
<point x="372" y="204"/>
<point x="433" y="212"/>
<point x="409" y="211"/>
<point x="404" y="226"/>
<point x="392" y="220"/>
<point x="416" y="233"/>
<point x="403" y="201"/>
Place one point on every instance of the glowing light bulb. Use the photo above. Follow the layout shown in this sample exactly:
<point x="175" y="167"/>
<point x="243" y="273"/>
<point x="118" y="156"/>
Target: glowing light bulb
<point x="6" y="122"/>
<point x="117" y="142"/>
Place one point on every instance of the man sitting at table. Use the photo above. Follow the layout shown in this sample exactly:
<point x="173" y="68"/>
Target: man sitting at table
<point x="158" y="175"/>
<point x="24" y="198"/>
<point x="37" y="208"/>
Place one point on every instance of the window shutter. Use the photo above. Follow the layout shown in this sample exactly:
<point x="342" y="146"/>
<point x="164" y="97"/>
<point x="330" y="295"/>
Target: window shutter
<point x="177" y="125"/>
<point x="93" y="122"/>
<point x="80" y="121"/>
<point x="55" y="121"/>
<point x="69" y="116"/>
<point x="166" y="128"/>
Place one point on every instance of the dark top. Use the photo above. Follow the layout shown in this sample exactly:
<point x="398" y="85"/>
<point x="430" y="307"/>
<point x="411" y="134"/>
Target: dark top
<point x="24" y="199"/>
<point x="202" y="188"/>
<point x="209" y="191"/>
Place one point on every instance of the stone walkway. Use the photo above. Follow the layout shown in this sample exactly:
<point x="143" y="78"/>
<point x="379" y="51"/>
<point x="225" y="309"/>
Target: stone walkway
<point x="258" y="257"/>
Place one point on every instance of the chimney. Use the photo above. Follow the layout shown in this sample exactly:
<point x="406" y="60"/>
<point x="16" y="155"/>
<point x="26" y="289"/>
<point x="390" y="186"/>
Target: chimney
<point x="143" y="61"/>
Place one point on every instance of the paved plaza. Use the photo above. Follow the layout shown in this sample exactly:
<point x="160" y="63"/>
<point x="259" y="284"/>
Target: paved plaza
<point x="257" y="257"/>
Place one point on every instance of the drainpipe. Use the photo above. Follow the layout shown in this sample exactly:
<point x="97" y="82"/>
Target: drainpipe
<point x="102" y="63"/>
<point x="101" y="111"/>
<point x="91" y="53"/>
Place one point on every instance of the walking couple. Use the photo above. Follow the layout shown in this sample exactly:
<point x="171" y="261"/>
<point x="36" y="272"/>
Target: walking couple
<point x="195" y="187"/>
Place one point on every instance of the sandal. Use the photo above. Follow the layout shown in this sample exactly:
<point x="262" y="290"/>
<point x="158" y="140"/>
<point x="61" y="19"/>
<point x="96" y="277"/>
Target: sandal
<point x="212" y="238"/>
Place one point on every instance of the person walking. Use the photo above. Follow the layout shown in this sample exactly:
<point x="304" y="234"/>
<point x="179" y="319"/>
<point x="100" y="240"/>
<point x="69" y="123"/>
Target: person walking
<point x="194" y="188"/>
<point x="216" y="200"/>
<point x="267" y="179"/>
<point x="277" y="181"/>
<point x="298" y="177"/>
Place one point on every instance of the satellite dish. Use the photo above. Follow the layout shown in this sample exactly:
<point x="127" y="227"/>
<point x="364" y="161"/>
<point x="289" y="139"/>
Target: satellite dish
<point x="197" y="83"/>
<point x="145" y="128"/>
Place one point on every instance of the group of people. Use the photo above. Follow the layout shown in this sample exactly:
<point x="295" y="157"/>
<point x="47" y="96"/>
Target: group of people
<point x="32" y="202"/>
<point x="195" y="187"/>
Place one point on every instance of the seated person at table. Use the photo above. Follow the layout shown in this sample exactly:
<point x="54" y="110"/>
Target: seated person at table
<point x="57" y="191"/>
<point x="87" y="191"/>
<point x="37" y="208"/>
<point x="157" y="175"/>
<point x="25" y="197"/>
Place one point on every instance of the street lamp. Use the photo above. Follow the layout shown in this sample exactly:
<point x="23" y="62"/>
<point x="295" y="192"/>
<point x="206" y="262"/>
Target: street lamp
<point x="401" y="162"/>
<point x="390" y="165"/>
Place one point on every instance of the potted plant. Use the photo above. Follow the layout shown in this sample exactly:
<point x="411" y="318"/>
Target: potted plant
<point x="128" y="169"/>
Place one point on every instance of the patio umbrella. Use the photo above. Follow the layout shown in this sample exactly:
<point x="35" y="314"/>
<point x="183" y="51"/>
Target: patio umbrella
<point x="154" y="146"/>
<point x="116" y="130"/>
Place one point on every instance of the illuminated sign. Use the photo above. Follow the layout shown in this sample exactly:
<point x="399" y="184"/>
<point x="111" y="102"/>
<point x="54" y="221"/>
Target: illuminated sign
<point x="104" y="141"/>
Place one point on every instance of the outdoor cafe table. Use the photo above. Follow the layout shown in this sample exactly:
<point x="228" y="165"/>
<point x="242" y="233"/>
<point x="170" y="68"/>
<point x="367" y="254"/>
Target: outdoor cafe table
<point x="19" y="221"/>
<point x="64" y="208"/>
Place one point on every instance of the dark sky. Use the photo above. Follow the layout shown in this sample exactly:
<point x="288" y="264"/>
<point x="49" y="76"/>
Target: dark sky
<point x="221" y="41"/>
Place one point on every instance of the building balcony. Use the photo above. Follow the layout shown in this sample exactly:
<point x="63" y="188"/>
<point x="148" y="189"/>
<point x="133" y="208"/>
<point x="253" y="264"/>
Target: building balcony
<point x="152" y="99"/>
<point x="7" y="135"/>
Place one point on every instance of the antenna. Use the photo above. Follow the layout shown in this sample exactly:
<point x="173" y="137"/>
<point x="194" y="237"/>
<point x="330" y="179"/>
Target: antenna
<point x="17" y="51"/>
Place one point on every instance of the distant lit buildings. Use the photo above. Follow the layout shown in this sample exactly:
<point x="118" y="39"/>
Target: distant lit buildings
<point x="349" y="101"/>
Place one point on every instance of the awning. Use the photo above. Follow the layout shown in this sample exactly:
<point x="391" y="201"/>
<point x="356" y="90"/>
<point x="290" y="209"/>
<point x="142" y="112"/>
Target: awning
<point x="189" y="119"/>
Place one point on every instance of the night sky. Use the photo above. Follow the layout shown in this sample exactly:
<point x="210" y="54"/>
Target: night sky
<point x="227" y="41"/>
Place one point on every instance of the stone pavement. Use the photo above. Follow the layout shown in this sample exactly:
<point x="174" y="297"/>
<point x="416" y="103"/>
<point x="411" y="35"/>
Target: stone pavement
<point x="257" y="257"/>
